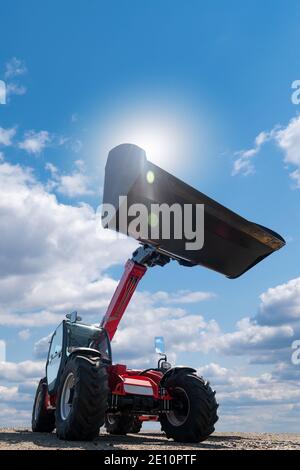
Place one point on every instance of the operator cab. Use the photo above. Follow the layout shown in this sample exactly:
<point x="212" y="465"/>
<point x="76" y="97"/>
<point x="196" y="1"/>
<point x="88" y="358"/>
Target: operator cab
<point x="69" y="337"/>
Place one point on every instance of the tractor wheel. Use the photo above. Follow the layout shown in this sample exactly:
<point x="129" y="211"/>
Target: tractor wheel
<point x="81" y="399"/>
<point x="136" y="426"/>
<point x="193" y="409"/>
<point x="119" y="424"/>
<point x="43" y="420"/>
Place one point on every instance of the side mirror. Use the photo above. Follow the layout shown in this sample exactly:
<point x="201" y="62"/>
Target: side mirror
<point x="73" y="317"/>
<point x="159" y="343"/>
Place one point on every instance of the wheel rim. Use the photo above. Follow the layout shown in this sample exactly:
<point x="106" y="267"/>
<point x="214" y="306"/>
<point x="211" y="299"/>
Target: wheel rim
<point x="110" y="419"/>
<point x="67" y="396"/>
<point x="180" y="407"/>
<point x="38" y="404"/>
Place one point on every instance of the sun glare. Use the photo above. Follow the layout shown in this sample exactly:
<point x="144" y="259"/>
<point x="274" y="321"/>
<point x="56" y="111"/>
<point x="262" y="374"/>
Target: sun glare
<point x="167" y="135"/>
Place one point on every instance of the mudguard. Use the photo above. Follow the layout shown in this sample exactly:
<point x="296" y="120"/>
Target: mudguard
<point x="175" y="371"/>
<point x="89" y="352"/>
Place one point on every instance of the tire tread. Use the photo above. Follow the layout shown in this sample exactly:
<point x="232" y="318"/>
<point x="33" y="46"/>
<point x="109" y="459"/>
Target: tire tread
<point x="203" y="414"/>
<point x="90" y="399"/>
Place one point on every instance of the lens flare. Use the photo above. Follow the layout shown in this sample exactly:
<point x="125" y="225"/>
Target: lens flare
<point x="150" y="177"/>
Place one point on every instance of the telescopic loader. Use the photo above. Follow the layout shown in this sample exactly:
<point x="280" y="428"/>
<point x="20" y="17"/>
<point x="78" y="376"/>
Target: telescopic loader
<point x="83" y="389"/>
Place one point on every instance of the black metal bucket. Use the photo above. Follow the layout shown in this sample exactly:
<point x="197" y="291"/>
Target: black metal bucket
<point x="232" y="244"/>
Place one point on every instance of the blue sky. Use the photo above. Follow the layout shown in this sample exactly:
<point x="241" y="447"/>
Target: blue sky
<point x="195" y="83"/>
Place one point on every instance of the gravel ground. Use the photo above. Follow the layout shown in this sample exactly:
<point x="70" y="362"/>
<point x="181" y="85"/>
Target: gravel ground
<point x="22" y="439"/>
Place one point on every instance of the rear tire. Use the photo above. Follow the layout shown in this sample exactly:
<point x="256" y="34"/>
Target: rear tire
<point x="119" y="424"/>
<point x="136" y="426"/>
<point x="194" y="409"/>
<point x="43" y="420"/>
<point x="81" y="399"/>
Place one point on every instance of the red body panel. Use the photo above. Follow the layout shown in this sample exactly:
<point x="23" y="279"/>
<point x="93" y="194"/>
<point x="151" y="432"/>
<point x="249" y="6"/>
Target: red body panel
<point x="121" y="379"/>
<point x="50" y="401"/>
<point x="144" y="418"/>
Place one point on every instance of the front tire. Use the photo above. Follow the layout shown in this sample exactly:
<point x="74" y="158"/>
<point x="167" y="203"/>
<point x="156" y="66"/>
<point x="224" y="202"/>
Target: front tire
<point x="194" y="409"/>
<point x="81" y="399"/>
<point x="43" y="420"/>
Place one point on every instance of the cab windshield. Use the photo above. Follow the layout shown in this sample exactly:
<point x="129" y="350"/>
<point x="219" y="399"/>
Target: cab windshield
<point x="83" y="336"/>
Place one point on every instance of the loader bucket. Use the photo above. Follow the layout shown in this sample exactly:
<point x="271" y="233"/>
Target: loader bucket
<point x="232" y="244"/>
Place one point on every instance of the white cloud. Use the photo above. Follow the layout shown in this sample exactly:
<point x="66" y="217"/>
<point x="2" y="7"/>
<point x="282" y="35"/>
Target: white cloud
<point x="281" y="304"/>
<point x="259" y="344"/>
<point x="243" y="163"/>
<point x="15" y="396"/>
<point x="72" y="144"/>
<point x="52" y="168"/>
<point x="287" y="139"/>
<point x="24" y="335"/>
<point x="15" y="89"/>
<point x="266" y="338"/>
<point x="41" y="347"/>
<point x="60" y="260"/>
<point x="2" y="350"/>
<point x="18" y="385"/>
<point x="295" y="176"/>
<point x="76" y="146"/>
<point x="21" y="371"/>
<point x="6" y="136"/>
<point x="12" y="416"/>
<point x="216" y="373"/>
<point x="72" y="185"/>
<point x="188" y="333"/>
<point x="29" y="320"/>
<point x="35" y="142"/>
<point x="182" y="331"/>
<point x="243" y="397"/>
<point x="265" y="388"/>
<point x="14" y="68"/>
<point x="8" y="393"/>
<point x="3" y="92"/>
<point x="251" y="337"/>
<point x="183" y="297"/>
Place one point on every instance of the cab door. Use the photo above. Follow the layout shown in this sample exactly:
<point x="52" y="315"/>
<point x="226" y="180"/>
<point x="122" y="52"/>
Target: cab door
<point x="55" y="357"/>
